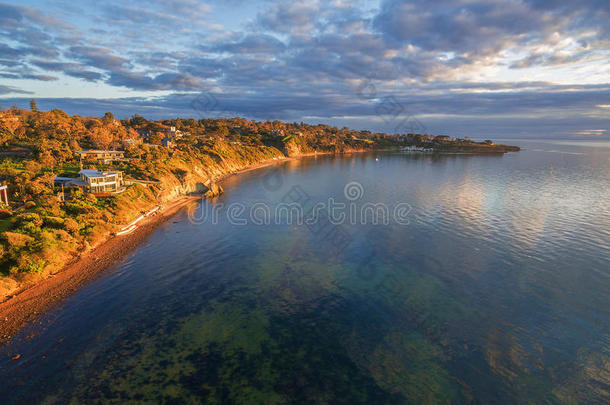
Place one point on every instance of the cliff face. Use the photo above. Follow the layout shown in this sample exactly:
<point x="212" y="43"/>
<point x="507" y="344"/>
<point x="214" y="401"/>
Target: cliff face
<point x="193" y="174"/>
<point x="198" y="174"/>
<point x="292" y="149"/>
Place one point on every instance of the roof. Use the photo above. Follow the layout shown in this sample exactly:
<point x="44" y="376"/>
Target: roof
<point x="96" y="173"/>
<point x="99" y="151"/>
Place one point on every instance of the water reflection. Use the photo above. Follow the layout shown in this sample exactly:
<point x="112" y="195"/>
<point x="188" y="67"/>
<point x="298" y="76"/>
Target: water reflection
<point x="496" y="291"/>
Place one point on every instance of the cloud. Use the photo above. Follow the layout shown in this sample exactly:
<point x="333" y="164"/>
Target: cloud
<point x="70" y="69"/>
<point x="253" y="44"/>
<point x="10" y="89"/>
<point x="98" y="57"/>
<point x="44" y="78"/>
<point x="290" y="17"/>
<point x="164" y="81"/>
<point x="293" y="59"/>
<point x="594" y="132"/>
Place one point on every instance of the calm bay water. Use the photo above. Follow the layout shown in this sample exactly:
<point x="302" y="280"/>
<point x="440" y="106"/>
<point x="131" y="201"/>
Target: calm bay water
<point x="497" y="290"/>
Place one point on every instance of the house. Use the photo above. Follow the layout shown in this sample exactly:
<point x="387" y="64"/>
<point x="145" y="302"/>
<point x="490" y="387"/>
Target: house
<point x="175" y="133"/>
<point x="442" y="139"/>
<point x="167" y="142"/>
<point x="132" y="141"/>
<point x="97" y="182"/>
<point x="8" y="119"/>
<point x="7" y="116"/>
<point x="102" y="156"/>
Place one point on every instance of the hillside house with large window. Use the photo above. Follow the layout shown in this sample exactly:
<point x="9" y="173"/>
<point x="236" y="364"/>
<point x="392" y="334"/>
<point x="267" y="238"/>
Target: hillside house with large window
<point x="98" y="182"/>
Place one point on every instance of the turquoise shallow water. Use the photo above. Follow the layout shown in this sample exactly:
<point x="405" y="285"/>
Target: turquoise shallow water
<point x="493" y="287"/>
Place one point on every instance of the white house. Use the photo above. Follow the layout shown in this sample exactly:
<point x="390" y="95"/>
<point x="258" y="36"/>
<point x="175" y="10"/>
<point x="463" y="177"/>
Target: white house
<point x="98" y="182"/>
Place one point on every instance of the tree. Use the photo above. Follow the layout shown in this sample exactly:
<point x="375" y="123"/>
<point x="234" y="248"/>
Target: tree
<point x="101" y="137"/>
<point x="155" y="138"/>
<point x="33" y="105"/>
<point x="223" y="131"/>
<point x="137" y="121"/>
<point x="108" y="118"/>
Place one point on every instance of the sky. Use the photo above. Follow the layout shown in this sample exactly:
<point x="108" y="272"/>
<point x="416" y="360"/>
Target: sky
<point x="479" y="68"/>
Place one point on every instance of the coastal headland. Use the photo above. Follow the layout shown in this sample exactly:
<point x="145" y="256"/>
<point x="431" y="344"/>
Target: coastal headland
<point x="79" y="193"/>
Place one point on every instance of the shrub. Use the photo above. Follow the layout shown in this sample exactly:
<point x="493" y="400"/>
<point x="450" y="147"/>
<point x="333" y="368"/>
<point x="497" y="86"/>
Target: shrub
<point x="4" y="213"/>
<point x="35" y="266"/>
<point x="30" y="217"/>
<point x="50" y="204"/>
<point x="30" y="228"/>
<point x="71" y="226"/>
<point x="16" y="240"/>
<point x="54" y="222"/>
<point x="80" y="207"/>
<point x="91" y="198"/>
<point x="30" y="204"/>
